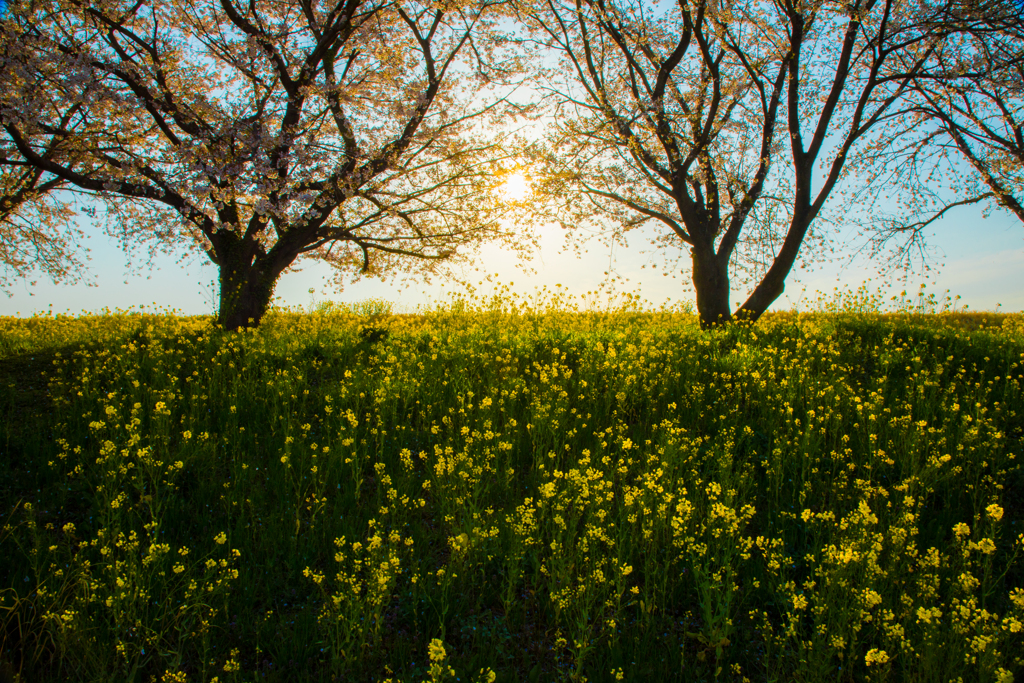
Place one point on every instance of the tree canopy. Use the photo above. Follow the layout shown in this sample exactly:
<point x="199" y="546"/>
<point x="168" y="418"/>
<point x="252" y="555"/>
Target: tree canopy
<point x="962" y="141"/>
<point x="268" y="131"/>
<point x="729" y="124"/>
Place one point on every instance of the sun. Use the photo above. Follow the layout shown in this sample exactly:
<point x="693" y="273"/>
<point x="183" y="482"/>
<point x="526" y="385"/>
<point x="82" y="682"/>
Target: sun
<point x="516" y="188"/>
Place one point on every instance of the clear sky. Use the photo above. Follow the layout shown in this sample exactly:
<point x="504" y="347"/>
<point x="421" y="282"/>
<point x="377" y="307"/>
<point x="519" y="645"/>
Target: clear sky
<point x="983" y="263"/>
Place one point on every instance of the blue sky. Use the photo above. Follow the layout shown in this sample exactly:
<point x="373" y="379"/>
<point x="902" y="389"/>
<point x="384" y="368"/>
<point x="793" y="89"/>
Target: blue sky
<point x="983" y="262"/>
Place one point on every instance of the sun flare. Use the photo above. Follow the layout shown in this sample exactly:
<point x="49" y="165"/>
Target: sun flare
<point x="516" y="188"/>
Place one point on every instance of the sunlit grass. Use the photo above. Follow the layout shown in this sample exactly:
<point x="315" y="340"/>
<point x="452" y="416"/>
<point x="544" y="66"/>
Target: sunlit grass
<point x="498" y="491"/>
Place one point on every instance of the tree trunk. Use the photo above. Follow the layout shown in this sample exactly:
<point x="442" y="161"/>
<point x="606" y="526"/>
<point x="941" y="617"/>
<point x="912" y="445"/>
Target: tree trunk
<point x="771" y="287"/>
<point x="711" y="282"/>
<point x="246" y="289"/>
<point x="773" y="284"/>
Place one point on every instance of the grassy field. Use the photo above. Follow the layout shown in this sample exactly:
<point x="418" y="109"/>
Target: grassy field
<point x="507" y="494"/>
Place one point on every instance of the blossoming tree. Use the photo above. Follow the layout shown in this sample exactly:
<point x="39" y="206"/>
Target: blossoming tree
<point x="727" y="124"/>
<point x="267" y="131"/>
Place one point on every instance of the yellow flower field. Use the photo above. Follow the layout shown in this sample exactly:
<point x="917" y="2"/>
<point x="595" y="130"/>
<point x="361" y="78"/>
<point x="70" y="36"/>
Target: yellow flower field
<point x="491" y="492"/>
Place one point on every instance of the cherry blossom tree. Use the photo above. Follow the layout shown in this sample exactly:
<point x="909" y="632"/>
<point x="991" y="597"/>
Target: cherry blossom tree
<point x="267" y="131"/>
<point x="727" y="124"/>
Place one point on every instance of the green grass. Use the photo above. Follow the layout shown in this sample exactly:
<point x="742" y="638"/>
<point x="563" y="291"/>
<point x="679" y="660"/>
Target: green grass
<point x="547" y="496"/>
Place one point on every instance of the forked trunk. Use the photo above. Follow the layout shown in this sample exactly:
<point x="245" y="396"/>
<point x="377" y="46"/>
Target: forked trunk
<point x="771" y="287"/>
<point x="711" y="282"/>
<point x="773" y="284"/>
